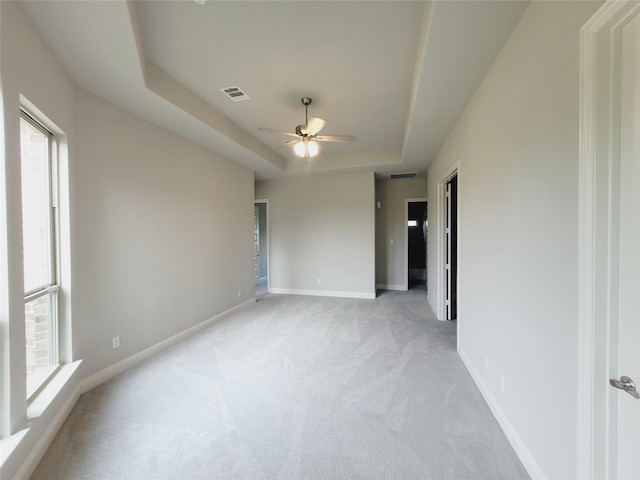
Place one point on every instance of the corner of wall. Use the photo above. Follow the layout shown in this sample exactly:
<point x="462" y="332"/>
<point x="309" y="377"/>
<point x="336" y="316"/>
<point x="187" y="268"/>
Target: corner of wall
<point x="517" y="442"/>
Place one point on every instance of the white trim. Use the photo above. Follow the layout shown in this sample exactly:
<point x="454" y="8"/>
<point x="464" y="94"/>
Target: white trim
<point x="4" y="279"/>
<point x="596" y="238"/>
<point x="41" y="402"/>
<point x="323" y="293"/>
<point x="383" y="286"/>
<point x="266" y="202"/>
<point x="586" y="249"/>
<point x="40" y="448"/>
<point x="125" y="364"/>
<point x="511" y="432"/>
<point x="440" y="294"/>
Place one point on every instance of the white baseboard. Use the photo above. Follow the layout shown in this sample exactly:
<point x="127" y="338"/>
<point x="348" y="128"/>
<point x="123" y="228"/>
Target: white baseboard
<point x="382" y="286"/>
<point x="518" y="444"/>
<point x="323" y="293"/>
<point x="37" y="452"/>
<point x="125" y="364"/>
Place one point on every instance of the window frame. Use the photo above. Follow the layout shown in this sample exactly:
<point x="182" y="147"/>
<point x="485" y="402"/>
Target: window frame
<point x="52" y="287"/>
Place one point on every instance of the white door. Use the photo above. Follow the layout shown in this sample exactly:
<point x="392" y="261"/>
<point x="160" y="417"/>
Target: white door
<point x="609" y="247"/>
<point x="627" y="408"/>
<point x="448" y="301"/>
<point x="451" y="248"/>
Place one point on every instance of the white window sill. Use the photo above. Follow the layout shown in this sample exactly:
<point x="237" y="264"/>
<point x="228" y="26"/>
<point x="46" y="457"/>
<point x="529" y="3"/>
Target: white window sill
<point x="61" y="393"/>
<point x="38" y="380"/>
<point x="39" y="402"/>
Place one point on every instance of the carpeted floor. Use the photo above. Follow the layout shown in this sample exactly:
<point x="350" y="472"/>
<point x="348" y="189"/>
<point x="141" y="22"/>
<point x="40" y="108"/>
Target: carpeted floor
<point x="293" y="387"/>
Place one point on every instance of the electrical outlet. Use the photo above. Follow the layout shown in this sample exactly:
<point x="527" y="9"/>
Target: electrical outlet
<point x="391" y="242"/>
<point x="239" y="293"/>
<point x="486" y="363"/>
<point x="115" y="341"/>
<point x="502" y="383"/>
<point x="319" y="281"/>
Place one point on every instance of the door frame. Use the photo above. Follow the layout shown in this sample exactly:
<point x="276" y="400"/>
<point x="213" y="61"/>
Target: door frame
<point x="441" y="276"/>
<point x="407" y="201"/>
<point x="597" y="234"/>
<point x="266" y="202"/>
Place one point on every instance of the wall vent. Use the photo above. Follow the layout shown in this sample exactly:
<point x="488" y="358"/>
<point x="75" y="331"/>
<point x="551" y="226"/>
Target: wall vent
<point x="404" y="175"/>
<point x="235" y="94"/>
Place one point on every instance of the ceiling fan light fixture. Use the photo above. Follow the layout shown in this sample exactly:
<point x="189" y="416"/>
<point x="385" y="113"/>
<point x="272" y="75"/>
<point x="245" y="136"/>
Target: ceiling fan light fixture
<point x="312" y="148"/>
<point x="306" y="144"/>
<point x="300" y="149"/>
<point x="306" y="148"/>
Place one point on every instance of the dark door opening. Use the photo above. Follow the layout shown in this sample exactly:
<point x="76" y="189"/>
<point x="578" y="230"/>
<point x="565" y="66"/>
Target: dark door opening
<point x="417" y="244"/>
<point x="451" y="248"/>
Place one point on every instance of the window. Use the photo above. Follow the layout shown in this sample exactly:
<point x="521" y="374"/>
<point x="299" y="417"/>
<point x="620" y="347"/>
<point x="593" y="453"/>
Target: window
<point x="39" y="234"/>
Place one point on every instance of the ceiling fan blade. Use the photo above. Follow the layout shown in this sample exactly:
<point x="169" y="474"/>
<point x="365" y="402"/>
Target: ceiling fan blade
<point x="290" y="142"/>
<point x="314" y="125"/>
<point x="272" y="130"/>
<point x="336" y="138"/>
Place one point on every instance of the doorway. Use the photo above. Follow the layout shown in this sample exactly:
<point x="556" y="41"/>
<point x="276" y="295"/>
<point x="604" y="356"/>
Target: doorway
<point x="261" y="247"/>
<point x="416" y="235"/>
<point x="451" y="247"/>
<point x="609" y="262"/>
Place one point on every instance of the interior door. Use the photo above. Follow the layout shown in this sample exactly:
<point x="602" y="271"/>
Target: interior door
<point x="451" y="248"/>
<point x="627" y="411"/>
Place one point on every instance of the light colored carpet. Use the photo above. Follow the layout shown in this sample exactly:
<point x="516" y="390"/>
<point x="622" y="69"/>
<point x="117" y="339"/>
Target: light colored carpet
<point x="293" y="388"/>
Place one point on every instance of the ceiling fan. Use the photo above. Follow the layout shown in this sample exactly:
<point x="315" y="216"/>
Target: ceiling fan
<point x="307" y="138"/>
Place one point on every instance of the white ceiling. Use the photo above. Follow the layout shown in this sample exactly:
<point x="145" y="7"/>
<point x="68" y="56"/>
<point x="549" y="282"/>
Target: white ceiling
<point x="396" y="74"/>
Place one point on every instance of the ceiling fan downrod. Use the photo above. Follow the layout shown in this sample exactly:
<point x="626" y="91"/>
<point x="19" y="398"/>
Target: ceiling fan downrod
<point x="306" y="101"/>
<point x="301" y="129"/>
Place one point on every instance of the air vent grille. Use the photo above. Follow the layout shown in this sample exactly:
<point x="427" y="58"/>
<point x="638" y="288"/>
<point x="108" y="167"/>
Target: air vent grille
<point x="235" y="94"/>
<point x="404" y="175"/>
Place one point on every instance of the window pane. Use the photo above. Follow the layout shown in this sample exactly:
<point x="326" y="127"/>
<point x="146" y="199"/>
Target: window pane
<point x="38" y="329"/>
<point x="36" y="218"/>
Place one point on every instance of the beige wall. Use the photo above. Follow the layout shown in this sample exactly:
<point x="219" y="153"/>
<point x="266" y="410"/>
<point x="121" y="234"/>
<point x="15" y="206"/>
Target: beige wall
<point x="164" y="233"/>
<point x="517" y="147"/>
<point x="321" y="228"/>
<point x="160" y="235"/>
<point x="30" y="71"/>
<point x="391" y="224"/>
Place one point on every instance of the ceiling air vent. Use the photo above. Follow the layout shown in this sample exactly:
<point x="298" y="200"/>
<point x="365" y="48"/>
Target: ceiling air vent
<point x="404" y="175"/>
<point x="235" y="94"/>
